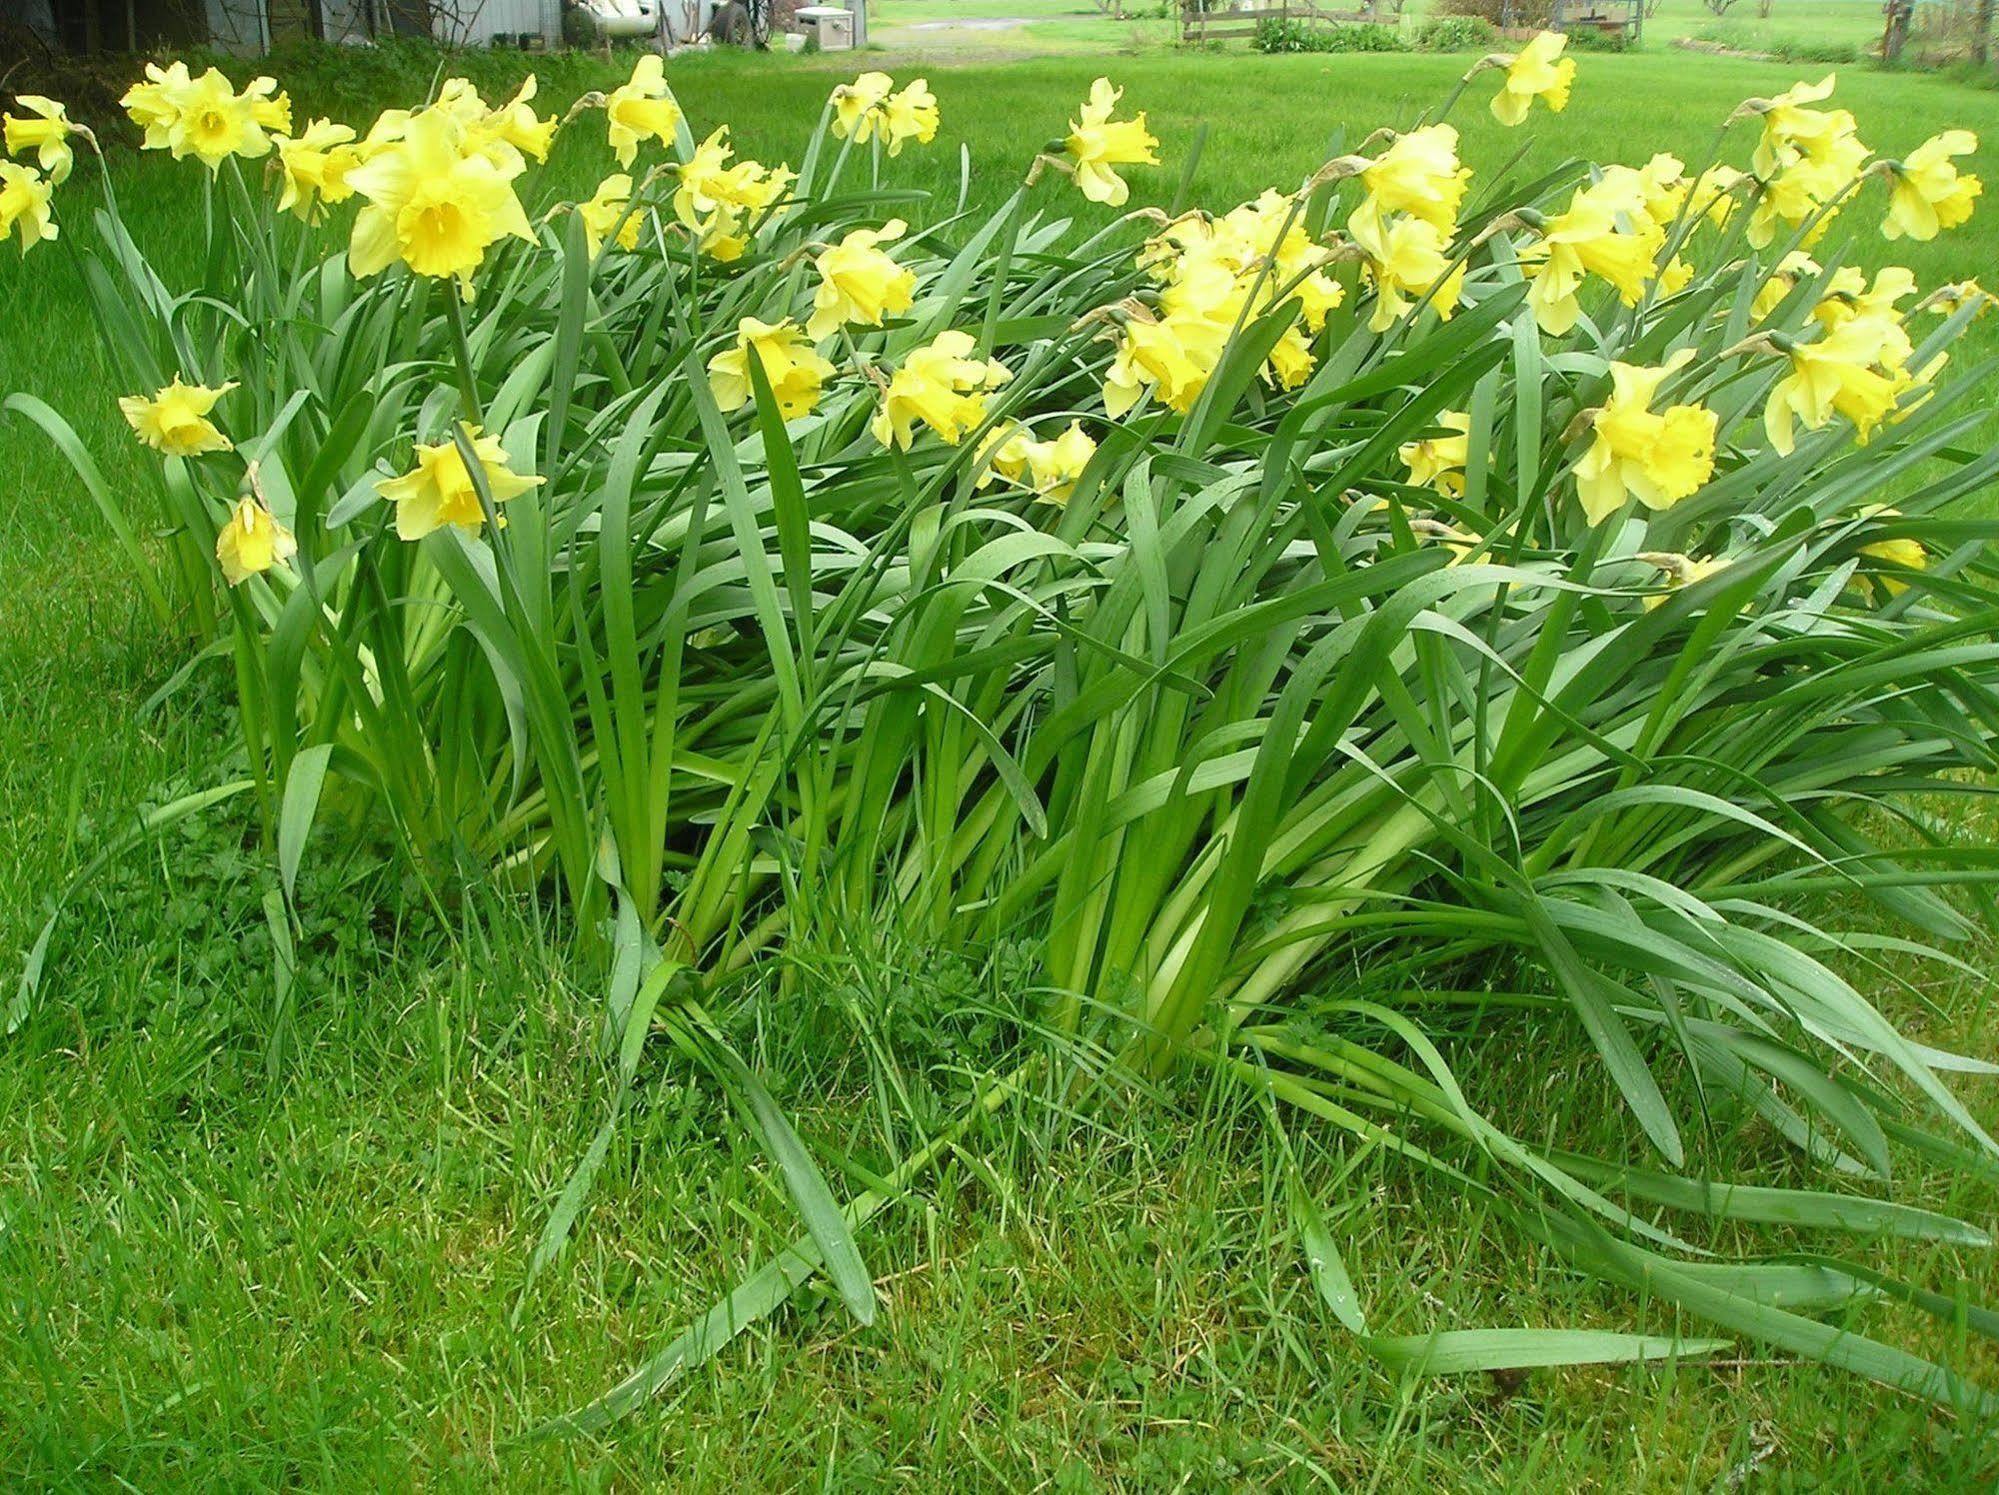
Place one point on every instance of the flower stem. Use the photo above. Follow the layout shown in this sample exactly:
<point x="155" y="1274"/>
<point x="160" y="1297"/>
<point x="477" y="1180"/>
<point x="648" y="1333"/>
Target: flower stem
<point x="468" y="387"/>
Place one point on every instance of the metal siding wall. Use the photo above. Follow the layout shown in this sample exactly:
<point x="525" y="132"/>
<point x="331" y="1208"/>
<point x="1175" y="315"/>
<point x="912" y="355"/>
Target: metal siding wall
<point x="476" y="21"/>
<point x="344" y="20"/>
<point x="237" y="25"/>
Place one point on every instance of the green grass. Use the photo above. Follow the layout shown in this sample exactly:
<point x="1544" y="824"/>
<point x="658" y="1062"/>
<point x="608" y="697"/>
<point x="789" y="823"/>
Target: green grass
<point x="245" y="1247"/>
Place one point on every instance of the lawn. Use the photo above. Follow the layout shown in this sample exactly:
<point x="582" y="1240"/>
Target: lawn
<point x="250" y="1244"/>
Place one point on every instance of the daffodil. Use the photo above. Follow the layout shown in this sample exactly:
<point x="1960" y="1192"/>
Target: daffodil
<point x="606" y="212"/>
<point x="1097" y="143"/>
<point x="710" y="183"/>
<point x="1291" y="360"/>
<point x="1003" y="453"/>
<point x="155" y="105"/>
<point x="24" y="205"/>
<point x="270" y="106"/>
<point x="1904" y="552"/>
<point x="45" y="130"/>
<point x="859" y="284"/>
<point x="1849" y="371"/>
<point x="1537" y="71"/>
<point x="515" y="125"/>
<point x="315" y="168"/>
<point x="1172" y="356"/>
<point x="1585" y="239"/>
<point x="1053" y="467"/>
<point x="1439" y="461"/>
<point x="440" y="490"/>
<point x="1928" y="192"/>
<point x="1795" y="198"/>
<point x="1406" y="258"/>
<point x="213" y="122"/>
<point x="1848" y="294"/>
<point x="795" y="371"/>
<point x="911" y="114"/>
<point x="175" y="420"/>
<point x="1680" y="571"/>
<point x="251" y="542"/>
<point x="942" y="385"/>
<point x="430" y="205"/>
<point x="1658" y="188"/>
<point x="1658" y="457"/>
<point x="1715" y="194"/>
<point x="1949" y="300"/>
<point x="858" y="107"/>
<point x="721" y="236"/>
<point x="1783" y="280"/>
<point x="1420" y="175"/>
<point x="641" y="109"/>
<point x="1794" y="132"/>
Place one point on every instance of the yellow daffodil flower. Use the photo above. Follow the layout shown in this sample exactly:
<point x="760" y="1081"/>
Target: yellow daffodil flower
<point x="315" y="168"/>
<point x="1848" y="294"/>
<point x="1904" y="552"/>
<point x="213" y="122"/>
<point x="270" y="107"/>
<point x="516" y="126"/>
<point x="175" y="420"/>
<point x="942" y="385"/>
<point x="430" y="205"/>
<point x="1783" y="280"/>
<point x="1658" y="188"/>
<point x="1928" y="193"/>
<point x="1405" y="259"/>
<point x="911" y="114"/>
<point x="1841" y="373"/>
<point x="1003" y="454"/>
<point x="605" y="212"/>
<point x="1585" y="239"/>
<point x="1680" y="571"/>
<point x="641" y="109"/>
<point x="1291" y="359"/>
<point x="1054" y="466"/>
<point x="721" y="236"/>
<point x="1172" y="356"/>
<point x="1949" y="300"/>
<point x="1537" y="71"/>
<point x="710" y="184"/>
<point x="1789" y="201"/>
<point x="24" y="205"/>
<point x="1657" y="458"/>
<point x="45" y="131"/>
<point x="154" y="105"/>
<point x="1715" y="194"/>
<point x="1097" y="143"/>
<point x="1419" y="174"/>
<point x="439" y="490"/>
<point x="1438" y="462"/>
<point x="251" y="542"/>
<point x="858" y="107"/>
<point x="795" y="371"/>
<point x="1794" y="133"/>
<point x="859" y="284"/>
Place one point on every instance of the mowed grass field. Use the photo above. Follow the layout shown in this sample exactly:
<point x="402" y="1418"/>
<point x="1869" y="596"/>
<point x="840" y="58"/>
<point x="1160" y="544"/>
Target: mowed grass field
<point x="244" y="1246"/>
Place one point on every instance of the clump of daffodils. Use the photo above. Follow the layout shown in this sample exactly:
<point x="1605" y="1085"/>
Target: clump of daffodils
<point x="1376" y="240"/>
